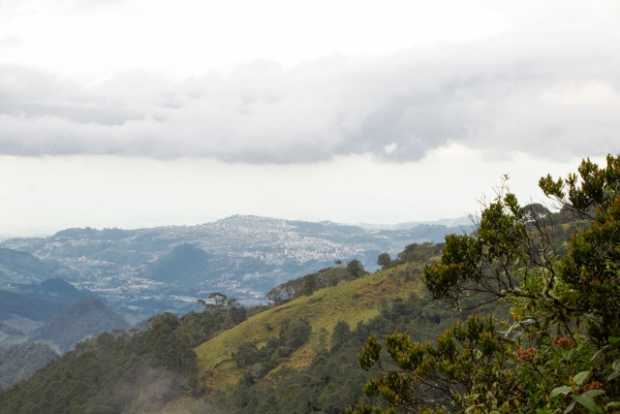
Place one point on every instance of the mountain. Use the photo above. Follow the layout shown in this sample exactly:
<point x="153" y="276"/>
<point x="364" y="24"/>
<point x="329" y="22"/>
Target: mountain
<point x="19" y="267"/>
<point x="38" y="301"/>
<point x="55" y="289"/>
<point x="186" y="263"/>
<point x="53" y="311"/>
<point x="11" y="335"/>
<point x="16" y="304"/>
<point x="20" y="362"/>
<point x="32" y="288"/>
<point x="81" y="320"/>
<point x="463" y="221"/>
<point x="145" y="271"/>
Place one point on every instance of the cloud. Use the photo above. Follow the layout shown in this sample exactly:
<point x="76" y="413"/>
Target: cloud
<point x="29" y="7"/>
<point x="554" y="95"/>
<point x="10" y="41"/>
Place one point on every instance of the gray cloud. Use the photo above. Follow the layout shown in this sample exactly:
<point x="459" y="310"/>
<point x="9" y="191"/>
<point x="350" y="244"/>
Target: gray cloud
<point x="546" y="95"/>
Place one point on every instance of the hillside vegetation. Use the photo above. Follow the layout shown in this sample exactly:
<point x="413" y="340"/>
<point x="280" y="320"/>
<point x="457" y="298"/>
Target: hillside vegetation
<point x="309" y="283"/>
<point x="352" y="302"/>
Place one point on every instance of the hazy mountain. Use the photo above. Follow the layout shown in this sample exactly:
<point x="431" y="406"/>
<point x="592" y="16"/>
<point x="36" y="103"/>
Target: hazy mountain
<point x="11" y="335"/>
<point x="19" y="267"/>
<point x="184" y="264"/>
<point x="16" y="304"/>
<point x="20" y="362"/>
<point x="81" y="320"/>
<point x="463" y="222"/>
<point x="167" y="268"/>
<point x="38" y="301"/>
<point x="53" y="311"/>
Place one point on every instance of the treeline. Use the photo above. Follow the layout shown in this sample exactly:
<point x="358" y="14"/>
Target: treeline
<point x="310" y="283"/>
<point x="335" y="381"/>
<point x="415" y="252"/>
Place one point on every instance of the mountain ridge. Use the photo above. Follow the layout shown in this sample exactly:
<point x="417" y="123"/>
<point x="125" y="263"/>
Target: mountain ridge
<point x="247" y="256"/>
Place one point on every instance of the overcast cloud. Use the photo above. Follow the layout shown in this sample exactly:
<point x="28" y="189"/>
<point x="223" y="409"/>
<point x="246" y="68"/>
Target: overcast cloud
<point x="138" y="113"/>
<point x="546" y="93"/>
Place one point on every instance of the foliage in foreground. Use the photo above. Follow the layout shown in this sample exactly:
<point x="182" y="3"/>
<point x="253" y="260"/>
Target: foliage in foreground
<point x="560" y="353"/>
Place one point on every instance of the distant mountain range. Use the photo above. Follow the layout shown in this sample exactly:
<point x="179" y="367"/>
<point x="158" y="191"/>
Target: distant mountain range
<point x="39" y="300"/>
<point x="463" y="221"/>
<point x="41" y="320"/>
<point x="55" y="312"/>
<point x="145" y="271"/>
<point x="79" y="321"/>
<point x="21" y="267"/>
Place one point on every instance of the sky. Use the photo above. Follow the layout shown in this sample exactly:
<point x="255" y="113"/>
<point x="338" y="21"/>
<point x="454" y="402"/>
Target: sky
<point x="135" y="113"/>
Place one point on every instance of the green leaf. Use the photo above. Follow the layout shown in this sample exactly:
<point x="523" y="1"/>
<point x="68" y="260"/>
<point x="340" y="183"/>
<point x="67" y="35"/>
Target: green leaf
<point x="599" y="353"/>
<point x="563" y="390"/>
<point x="613" y="404"/>
<point x="581" y="377"/>
<point x="616" y="367"/>
<point x="570" y="408"/>
<point x="588" y="403"/>
<point x="594" y="393"/>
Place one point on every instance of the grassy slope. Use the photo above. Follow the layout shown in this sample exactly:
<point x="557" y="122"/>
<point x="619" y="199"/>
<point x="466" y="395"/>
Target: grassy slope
<point x="352" y="302"/>
<point x="186" y="405"/>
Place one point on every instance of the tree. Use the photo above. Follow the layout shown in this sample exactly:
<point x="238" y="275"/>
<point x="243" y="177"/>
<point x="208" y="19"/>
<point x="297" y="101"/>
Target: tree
<point x="237" y="314"/>
<point x="419" y="252"/>
<point x="294" y="333"/>
<point x="309" y="285"/>
<point x="342" y="332"/>
<point x="561" y="350"/>
<point x="384" y="260"/>
<point x="246" y="355"/>
<point x="356" y="268"/>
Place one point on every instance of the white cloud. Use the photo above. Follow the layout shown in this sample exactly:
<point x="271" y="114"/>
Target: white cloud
<point x="532" y="94"/>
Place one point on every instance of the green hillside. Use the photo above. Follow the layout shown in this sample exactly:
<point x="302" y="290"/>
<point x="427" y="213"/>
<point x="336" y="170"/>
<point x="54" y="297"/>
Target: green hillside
<point x="353" y="302"/>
